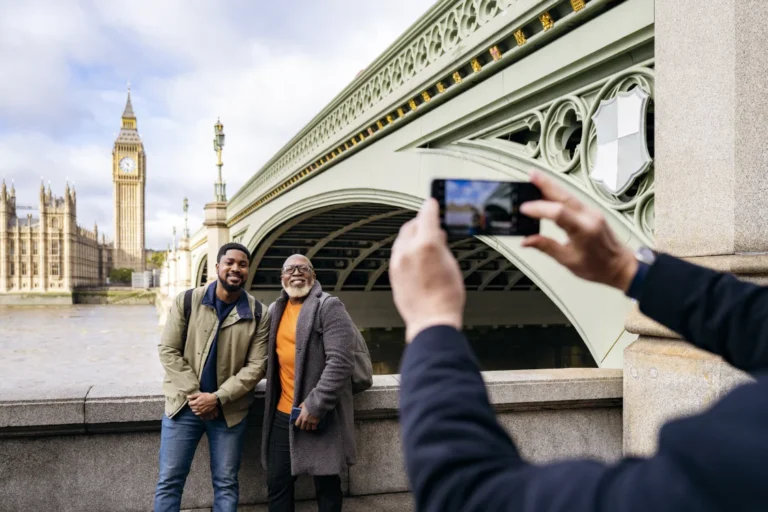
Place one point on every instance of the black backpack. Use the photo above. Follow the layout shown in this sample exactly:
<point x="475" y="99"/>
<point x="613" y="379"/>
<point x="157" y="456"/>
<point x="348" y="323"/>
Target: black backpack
<point x="188" y="312"/>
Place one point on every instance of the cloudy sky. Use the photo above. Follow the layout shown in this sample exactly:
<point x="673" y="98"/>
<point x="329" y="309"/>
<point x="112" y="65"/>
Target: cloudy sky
<point x="266" y="67"/>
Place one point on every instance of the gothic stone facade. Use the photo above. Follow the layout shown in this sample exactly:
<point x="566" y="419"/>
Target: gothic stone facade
<point x="48" y="252"/>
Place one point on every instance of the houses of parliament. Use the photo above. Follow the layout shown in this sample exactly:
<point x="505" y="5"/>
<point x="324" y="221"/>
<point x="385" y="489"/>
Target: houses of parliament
<point x="43" y="250"/>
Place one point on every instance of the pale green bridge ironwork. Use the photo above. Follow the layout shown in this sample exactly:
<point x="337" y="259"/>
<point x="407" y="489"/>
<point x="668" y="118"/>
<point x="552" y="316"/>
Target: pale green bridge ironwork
<point x="485" y="89"/>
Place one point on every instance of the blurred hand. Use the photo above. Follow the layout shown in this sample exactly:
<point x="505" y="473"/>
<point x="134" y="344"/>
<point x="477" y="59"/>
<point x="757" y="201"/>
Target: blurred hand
<point x="427" y="285"/>
<point x="210" y="416"/>
<point x="306" y="421"/>
<point x="593" y="252"/>
<point x="202" y="403"/>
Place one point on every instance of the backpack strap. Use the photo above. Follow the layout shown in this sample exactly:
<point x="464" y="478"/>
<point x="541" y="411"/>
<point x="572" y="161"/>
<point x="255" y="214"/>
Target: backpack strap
<point x="257" y="311"/>
<point x="187" y="314"/>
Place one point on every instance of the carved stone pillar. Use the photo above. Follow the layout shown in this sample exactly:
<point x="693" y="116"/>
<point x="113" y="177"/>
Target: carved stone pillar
<point x="184" y="262"/>
<point x="711" y="201"/>
<point x="217" y="232"/>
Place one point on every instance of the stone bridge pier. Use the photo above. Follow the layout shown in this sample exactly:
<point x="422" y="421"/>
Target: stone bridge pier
<point x="711" y="195"/>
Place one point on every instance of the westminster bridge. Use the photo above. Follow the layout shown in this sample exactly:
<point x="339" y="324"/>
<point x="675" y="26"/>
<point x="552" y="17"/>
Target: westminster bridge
<point x="475" y="89"/>
<point x="650" y="111"/>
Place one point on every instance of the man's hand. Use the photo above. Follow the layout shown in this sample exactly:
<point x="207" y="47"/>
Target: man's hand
<point x="592" y="251"/>
<point x="211" y="415"/>
<point x="427" y="285"/>
<point x="202" y="403"/>
<point x="306" y="421"/>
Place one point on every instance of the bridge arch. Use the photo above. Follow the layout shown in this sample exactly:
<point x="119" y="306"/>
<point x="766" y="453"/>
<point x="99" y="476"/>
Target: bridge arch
<point x="490" y="264"/>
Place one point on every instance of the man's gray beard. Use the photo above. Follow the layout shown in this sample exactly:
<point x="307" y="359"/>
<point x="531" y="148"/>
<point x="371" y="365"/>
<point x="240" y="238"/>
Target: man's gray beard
<point x="295" y="292"/>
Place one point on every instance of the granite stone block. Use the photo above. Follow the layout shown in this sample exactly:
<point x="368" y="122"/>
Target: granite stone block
<point x="123" y="404"/>
<point x="551" y="435"/>
<point x="710" y="108"/>
<point x="380" y="466"/>
<point x="32" y="407"/>
<point x="667" y="379"/>
<point x="521" y="387"/>
<point x="380" y="400"/>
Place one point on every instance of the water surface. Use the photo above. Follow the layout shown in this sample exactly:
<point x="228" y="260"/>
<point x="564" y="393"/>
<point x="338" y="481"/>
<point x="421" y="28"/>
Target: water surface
<point x="46" y="346"/>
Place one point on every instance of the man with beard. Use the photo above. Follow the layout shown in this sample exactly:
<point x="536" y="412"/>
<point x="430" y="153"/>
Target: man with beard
<point x="310" y="367"/>
<point x="214" y="350"/>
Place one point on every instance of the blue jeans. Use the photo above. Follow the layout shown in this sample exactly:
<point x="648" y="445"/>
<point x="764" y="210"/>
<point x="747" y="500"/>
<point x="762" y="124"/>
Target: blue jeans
<point x="178" y="441"/>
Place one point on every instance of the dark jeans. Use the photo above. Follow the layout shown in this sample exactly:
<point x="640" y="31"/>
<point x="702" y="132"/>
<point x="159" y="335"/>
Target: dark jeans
<point x="178" y="441"/>
<point x="279" y="479"/>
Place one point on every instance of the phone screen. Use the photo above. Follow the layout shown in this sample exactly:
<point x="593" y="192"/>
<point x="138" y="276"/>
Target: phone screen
<point x="482" y="207"/>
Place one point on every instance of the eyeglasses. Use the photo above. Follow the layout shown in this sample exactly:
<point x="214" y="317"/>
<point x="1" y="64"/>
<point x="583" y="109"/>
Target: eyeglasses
<point x="303" y="269"/>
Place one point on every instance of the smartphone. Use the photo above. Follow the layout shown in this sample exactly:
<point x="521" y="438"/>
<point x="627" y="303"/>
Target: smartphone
<point x="296" y="411"/>
<point x="482" y="207"/>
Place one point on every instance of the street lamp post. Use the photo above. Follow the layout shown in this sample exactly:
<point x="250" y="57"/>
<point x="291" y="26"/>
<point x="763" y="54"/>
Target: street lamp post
<point x="186" y="218"/>
<point x="220" y="188"/>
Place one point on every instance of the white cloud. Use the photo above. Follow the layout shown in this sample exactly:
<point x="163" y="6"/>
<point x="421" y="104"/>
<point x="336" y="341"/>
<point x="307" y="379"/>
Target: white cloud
<point x="265" y="69"/>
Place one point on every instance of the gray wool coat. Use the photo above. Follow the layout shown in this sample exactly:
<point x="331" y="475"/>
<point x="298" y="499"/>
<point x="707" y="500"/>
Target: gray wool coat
<point x="323" y="381"/>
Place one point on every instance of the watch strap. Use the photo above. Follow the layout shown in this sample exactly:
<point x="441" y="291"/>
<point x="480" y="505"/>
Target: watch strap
<point x="636" y="287"/>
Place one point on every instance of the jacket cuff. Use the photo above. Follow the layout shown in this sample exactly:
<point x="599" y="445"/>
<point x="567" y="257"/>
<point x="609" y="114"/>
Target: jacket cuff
<point x="311" y="407"/>
<point x="667" y="287"/>
<point x="223" y="396"/>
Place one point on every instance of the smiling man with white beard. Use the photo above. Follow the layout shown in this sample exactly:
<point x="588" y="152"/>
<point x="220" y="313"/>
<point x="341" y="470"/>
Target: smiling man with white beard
<point x="308" y="417"/>
<point x="214" y="351"/>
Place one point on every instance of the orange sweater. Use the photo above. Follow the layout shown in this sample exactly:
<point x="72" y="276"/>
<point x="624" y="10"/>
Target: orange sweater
<point x="286" y="355"/>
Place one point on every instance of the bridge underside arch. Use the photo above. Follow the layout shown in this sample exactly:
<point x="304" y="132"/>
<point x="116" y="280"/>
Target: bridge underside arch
<point x="511" y="322"/>
<point x="350" y="247"/>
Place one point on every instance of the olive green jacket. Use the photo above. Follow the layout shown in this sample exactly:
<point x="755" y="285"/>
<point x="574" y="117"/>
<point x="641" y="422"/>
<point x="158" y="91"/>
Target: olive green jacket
<point x="242" y="352"/>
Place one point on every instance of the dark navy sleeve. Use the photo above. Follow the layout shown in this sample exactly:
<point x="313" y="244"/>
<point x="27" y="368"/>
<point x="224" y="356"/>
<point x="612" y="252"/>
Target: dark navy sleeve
<point x="712" y="310"/>
<point x="458" y="458"/>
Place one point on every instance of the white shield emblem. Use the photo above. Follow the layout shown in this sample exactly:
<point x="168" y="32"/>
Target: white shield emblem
<point x="622" y="149"/>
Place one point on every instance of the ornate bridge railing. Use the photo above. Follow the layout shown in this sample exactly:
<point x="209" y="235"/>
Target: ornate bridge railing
<point x="455" y="43"/>
<point x="561" y="135"/>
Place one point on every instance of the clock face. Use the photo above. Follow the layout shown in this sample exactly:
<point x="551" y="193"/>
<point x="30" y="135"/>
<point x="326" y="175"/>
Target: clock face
<point x="127" y="164"/>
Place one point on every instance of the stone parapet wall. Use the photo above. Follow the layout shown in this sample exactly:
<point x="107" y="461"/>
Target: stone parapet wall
<point x="125" y="297"/>
<point x="95" y="448"/>
<point x="36" y="299"/>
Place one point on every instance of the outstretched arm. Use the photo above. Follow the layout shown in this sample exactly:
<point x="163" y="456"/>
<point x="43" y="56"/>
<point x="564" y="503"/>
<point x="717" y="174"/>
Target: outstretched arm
<point x="712" y="310"/>
<point x="459" y="458"/>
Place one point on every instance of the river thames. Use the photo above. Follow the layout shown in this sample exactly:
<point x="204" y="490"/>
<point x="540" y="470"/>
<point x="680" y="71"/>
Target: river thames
<point x="59" y="346"/>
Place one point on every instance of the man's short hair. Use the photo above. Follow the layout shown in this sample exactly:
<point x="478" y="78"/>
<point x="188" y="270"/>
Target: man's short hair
<point x="301" y="256"/>
<point x="230" y="246"/>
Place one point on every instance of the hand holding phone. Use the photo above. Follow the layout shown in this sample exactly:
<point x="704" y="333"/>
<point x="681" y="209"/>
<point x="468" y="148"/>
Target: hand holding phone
<point x="296" y="412"/>
<point x="483" y="207"/>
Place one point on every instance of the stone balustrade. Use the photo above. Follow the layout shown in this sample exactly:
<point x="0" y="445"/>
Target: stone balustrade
<point x="95" y="448"/>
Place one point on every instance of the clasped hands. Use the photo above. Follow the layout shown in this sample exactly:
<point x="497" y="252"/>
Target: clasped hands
<point x="204" y="405"/>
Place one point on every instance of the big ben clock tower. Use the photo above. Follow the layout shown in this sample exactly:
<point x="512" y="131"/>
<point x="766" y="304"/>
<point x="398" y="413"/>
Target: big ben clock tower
<point x="129" y="178"/>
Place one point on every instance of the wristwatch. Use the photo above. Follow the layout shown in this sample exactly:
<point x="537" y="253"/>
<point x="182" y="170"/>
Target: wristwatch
<point x="645" y="255"/>
<point x="645" y="258"/>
